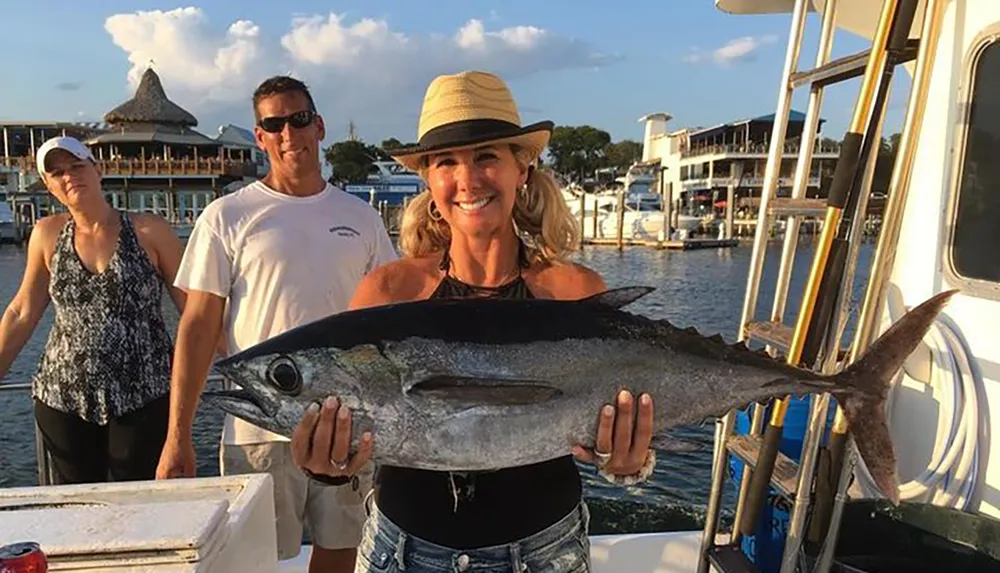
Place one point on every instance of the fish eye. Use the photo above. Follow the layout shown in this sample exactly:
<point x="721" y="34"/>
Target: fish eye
<point x="283" y="374"/>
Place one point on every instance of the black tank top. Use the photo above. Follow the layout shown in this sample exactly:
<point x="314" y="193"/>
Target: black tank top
<point x="479" y="509"/>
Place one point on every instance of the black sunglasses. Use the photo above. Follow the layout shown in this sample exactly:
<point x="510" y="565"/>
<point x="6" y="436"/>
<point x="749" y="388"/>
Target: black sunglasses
<point x="298" y="120"/>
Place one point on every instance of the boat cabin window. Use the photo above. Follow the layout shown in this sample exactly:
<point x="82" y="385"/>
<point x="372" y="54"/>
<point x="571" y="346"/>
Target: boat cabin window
<point x="974" y="251"/>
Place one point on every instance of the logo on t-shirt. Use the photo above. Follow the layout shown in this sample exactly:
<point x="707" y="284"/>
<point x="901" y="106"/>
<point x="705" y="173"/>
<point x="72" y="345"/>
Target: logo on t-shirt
<point x="345" y="231"/>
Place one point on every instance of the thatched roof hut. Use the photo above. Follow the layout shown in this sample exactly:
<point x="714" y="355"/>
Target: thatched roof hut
<point x="150" y="105"/>
<point x="150" y="125"/>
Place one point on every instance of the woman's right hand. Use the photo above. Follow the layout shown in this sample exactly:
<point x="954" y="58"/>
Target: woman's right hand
<point x="321" y="441"/>
<point x="177" y="459"/>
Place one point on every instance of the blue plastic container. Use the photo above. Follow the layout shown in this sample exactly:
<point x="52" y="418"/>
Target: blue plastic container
<point x="765" y="547"/>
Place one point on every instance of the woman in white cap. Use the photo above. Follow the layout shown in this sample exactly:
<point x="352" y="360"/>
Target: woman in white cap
<point x="490" y="224"/>
<point x="101" y="389"/>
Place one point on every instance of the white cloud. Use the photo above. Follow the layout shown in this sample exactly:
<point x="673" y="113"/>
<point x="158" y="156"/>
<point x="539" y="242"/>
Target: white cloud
<point x="360" y="69"/>
<point x="186" y="54"/>
<point x="473" y="36"/>
<point x="326" y="41"/>
<point x="736" y="50"/>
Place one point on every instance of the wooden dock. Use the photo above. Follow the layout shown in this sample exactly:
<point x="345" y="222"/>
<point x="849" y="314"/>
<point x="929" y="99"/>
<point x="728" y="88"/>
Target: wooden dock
<point x="677" y="245"/>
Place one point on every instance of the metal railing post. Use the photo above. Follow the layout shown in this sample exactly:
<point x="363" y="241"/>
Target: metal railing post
<point x="771" y="175"/>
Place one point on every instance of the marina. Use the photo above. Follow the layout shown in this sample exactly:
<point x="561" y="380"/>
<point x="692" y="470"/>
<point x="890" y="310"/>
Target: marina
<point x="744" y="230"/>
<point x="673" y="244"/>
<point x="152" y="159"/>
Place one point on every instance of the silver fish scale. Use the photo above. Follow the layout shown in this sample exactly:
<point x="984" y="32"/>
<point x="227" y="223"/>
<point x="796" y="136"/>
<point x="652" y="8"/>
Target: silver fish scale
<point x="471" y="421"/>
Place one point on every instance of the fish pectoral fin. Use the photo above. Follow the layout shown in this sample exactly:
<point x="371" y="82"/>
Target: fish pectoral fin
<point x="619" y="297"/>
<point x="484" y="391"/>
<point x="667" y="443"/>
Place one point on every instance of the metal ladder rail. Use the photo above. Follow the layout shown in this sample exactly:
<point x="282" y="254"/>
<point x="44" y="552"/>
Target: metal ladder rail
<point x="792" y="224"/>
<point x="830" y="346"/>
<point x="820" y="405"/>
<point x="885" y="251"/>
<point x="821" y="77"/>
<point x="831" y="359"/>
<point x="723" y="426"/>
<point x="839" y="306"/>
<point x="818" y="306"/>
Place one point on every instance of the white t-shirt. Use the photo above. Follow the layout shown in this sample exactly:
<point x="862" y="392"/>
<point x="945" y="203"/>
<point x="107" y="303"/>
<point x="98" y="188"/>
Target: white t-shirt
<point x="281" y="261"/>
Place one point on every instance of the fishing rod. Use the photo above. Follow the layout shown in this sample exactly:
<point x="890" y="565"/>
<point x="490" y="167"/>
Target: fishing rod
<point x="838" y="432"/>
<point x="885" y="252"/>
<point x="831" y="253"/>
<point x="826" y="458"/>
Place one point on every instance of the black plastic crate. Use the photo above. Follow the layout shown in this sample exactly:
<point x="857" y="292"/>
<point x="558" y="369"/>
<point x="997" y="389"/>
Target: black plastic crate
<point x="876" y="537"/>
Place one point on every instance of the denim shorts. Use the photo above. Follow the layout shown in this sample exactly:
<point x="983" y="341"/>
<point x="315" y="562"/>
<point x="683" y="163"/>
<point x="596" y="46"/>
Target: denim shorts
<point x="563" y="547"/>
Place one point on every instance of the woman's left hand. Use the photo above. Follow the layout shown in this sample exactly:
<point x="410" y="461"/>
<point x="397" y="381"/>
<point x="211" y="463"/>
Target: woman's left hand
<point x="622" y="438"/>
<point x="321" y="441"/>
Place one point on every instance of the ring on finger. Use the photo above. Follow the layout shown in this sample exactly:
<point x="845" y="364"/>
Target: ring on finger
<point x="339" y="466"/>
<point x="602" y="458"/>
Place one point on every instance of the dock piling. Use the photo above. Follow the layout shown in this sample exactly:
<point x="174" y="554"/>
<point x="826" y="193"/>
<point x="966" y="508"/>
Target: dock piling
<point x="621" y="219"/>
<point x="735" y="174"/>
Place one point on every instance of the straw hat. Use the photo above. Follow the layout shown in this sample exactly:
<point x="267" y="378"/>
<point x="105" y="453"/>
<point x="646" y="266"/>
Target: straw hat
<point x="470" y="108"/>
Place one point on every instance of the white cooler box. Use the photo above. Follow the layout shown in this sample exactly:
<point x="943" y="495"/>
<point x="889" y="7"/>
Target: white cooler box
<point x="217" y="524"/>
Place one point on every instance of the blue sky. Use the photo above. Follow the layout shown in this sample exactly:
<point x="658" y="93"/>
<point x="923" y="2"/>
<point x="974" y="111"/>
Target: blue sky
<point x="572" y="61"/>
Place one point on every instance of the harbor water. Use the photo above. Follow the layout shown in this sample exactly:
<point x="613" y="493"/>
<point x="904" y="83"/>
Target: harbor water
<point x="700" y="288"/>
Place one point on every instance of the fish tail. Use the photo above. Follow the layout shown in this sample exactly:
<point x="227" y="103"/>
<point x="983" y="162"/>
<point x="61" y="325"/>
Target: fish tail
<point x="865" y="386"/>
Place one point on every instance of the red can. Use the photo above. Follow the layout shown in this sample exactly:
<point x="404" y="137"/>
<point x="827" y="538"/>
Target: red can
<point x="24" y="557"/>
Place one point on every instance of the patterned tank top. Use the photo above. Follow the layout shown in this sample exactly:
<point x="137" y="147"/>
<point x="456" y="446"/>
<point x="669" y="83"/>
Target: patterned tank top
<point x="108" y="352"/>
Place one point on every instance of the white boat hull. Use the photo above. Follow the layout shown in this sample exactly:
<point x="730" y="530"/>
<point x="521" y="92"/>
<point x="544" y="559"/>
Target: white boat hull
<point x="647" y="226"/>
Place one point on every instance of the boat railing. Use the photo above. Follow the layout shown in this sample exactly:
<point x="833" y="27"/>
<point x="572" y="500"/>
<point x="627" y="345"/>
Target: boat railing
<point x="756" y="149"/>
<point x="43" y="459"/>
<point x="130" y="166"/>
<point x="702" y="182"/>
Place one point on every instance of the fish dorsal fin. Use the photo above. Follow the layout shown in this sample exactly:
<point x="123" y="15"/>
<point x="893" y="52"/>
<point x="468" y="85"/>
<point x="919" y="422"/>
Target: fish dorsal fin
<point x="618" y="297"/>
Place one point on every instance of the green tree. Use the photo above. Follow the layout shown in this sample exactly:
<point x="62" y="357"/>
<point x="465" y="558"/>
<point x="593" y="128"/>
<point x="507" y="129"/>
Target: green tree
<point x="578" y="150"/>
<point x="622" y="154"/>
<point x="390" y="143"/>
<point x="351" y="160"/>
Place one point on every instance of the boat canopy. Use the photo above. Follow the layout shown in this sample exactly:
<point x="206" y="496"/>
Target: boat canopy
<point x="859" y="17"/>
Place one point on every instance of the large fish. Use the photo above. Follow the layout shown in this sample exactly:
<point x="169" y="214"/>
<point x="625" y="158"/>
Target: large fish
<point x="480" y="384"/>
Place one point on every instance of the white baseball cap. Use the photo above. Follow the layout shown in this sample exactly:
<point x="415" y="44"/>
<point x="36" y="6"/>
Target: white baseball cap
<point x="70" y="144"/>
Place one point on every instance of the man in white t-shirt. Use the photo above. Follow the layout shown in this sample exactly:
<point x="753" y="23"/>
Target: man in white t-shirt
<point x="283" y="251"/>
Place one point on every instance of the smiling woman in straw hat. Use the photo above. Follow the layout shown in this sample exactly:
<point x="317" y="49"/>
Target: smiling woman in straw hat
<point x="490" y="224"/>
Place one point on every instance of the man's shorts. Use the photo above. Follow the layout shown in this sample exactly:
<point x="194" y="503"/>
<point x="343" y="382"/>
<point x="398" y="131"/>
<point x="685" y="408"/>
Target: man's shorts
<point x="333" y="515"/>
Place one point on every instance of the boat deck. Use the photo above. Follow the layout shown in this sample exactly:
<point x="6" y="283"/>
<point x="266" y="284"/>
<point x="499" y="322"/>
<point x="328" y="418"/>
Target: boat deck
<point x="672" y="552"/>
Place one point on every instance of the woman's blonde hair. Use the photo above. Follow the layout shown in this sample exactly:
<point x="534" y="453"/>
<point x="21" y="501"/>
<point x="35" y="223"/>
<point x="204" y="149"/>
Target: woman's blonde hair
<point x="541" y="218"/>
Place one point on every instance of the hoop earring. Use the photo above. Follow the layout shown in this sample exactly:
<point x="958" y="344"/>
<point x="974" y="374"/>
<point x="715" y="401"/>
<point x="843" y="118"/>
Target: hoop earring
<point x="432" y="211"/>
<point x="523" y="194"/>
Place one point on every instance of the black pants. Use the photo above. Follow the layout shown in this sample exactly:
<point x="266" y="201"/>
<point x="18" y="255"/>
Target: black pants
<point x="126" y="449"/>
